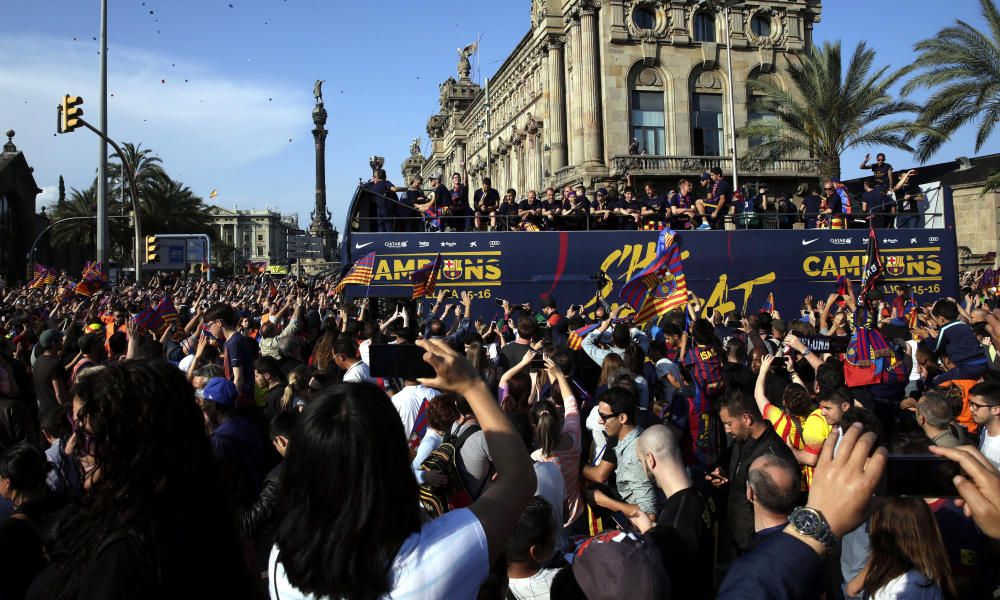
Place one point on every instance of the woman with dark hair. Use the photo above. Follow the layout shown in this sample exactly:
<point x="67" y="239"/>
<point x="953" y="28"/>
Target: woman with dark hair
<point x="514" y="388"/>
<point x="558" y="439"/>
<point x="907" y="560"/>
<point x="351" y="526"/>
<point x="25" y="534"/>
<point x="155" y="522"/>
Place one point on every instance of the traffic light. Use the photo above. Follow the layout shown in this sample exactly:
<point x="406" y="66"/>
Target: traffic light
<point x="152" y="249"/>
<point x="69" y="118"/>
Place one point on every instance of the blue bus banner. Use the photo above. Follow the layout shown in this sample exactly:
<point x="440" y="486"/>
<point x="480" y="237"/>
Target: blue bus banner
<point x="727" y="270"/>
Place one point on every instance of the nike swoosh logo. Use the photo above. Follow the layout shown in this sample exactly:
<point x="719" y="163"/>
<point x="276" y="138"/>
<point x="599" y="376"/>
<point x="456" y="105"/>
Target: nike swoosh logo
<point x="360" y="246"/>
<point x="807" y="242"/>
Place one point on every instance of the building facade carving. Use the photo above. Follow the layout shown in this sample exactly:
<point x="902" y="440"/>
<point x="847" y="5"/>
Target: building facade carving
<point x="588" y="76"/>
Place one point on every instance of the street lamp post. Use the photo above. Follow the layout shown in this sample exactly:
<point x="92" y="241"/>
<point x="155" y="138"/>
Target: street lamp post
<point x="723" y="7"/>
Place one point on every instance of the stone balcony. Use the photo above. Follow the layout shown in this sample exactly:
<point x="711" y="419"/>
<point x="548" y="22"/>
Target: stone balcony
<point x="693" y="166"/>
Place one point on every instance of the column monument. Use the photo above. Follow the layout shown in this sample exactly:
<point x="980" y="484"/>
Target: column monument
<point x="321" y="226"/>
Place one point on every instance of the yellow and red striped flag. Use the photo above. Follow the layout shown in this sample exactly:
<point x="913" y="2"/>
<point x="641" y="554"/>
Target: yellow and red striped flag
<point x="360" y="273"/>
<point x="425" y="278"/>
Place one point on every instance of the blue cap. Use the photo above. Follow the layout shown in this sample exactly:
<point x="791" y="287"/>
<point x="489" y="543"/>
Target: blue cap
<point x="220" y="390"/>
<point x="706" y="176"/>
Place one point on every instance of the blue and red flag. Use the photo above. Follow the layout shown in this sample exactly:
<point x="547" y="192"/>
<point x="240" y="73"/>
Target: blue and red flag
<point x="149" y="319"/>
<point x="845" y="197"/>
<point x="660" y="287"/>
<point x="166" y="310"/>
<point x="768" y="304"/>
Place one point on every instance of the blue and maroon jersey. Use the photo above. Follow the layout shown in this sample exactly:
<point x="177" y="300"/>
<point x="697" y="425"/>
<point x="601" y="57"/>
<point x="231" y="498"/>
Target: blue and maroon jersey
<point x="705" y="366"/>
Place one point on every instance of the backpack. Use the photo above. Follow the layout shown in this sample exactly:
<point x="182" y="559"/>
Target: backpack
<point x="438" y="500"/>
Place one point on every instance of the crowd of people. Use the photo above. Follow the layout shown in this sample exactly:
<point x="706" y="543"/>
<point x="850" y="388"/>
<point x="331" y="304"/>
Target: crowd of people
<point x="705" y="202"/>
<point x="230" y="439"/>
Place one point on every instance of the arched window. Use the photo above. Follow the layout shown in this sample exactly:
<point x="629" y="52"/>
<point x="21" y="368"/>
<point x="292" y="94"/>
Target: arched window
<point x="647" y="114"/>
<point x="707" y="135"/>
<point x="704" y="27"/>
<point x="761" y="26"/>
<point x="644" y="17"/>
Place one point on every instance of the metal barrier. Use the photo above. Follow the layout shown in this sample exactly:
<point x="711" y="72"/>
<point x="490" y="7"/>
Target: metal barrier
<point x="615" y="222"/>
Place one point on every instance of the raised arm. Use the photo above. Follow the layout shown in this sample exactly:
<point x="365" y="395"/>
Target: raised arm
<point x="758" y="391"/>
<point x="499" y="507"/>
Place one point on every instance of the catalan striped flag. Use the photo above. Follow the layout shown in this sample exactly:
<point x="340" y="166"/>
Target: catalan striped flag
<point x="576" y="337"/>
<point x="910" y="313"/>
<point x="43" y="276"/>
<point x="425" y="278"/>
<point x="660" y="287"/>
<point x="768" y="304"/>
<point x="360" y="273"/>
<point x="166" y="309"/>
<point x="86" y="288"/>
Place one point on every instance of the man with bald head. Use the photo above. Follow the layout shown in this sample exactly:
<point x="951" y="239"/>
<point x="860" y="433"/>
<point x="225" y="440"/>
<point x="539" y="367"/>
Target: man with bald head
<point x="773" y="486"/>
<point x="683" y="531"/>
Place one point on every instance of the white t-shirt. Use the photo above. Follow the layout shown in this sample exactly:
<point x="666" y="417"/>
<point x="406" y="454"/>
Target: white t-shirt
<point x="447" y="558"/>
<point x="408" y="402"/>
<point x="358" y="373"/>
<point x="991" y="448"/>
<point x="915" y="371"/>
<point x="535" y="587"/>
<point x="552" y="487"/>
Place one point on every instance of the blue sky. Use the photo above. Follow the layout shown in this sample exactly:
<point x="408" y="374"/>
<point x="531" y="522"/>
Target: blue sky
<point x="221" y="90"/>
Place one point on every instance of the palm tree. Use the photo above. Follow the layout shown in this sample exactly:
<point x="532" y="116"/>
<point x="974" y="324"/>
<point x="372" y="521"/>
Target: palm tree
<point x="81" y="232"/>
<point x="169" y="206"/>
<point x="827" y="111"/>
<point x="146" y="167"/>
<point x="962" y="66"/>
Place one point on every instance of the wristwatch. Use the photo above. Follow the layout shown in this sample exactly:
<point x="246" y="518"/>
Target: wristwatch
<point x="811" y="523"/>
<point x="806" y="351"/>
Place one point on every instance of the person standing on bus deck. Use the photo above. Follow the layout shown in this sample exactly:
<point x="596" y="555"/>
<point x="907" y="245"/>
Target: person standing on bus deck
<point x="831" y="208"/>
<point x="881" y="172"/>
<point x="716" y="204"/>
<point x="382" y="192"/>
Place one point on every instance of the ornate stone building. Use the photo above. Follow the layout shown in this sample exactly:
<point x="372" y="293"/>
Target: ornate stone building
<point x="591" y="75"/>
<point x="255" y="235"/>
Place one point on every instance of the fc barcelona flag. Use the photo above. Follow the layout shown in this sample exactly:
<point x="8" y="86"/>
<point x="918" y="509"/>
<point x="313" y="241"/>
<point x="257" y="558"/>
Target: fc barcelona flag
<point x="768" y="304"/>
<point x="576" y="337"/>
<point x="360" y="273"/>
<point x="148" y="318"/>
<point x="166" y="309"/>
<point x="660" y="287"/>
<point x="93" y="271"/>
<point x="425" y="278"/>
<point x="874" y="267"/>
